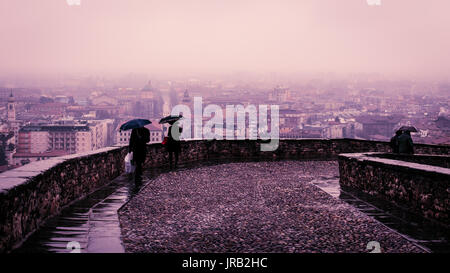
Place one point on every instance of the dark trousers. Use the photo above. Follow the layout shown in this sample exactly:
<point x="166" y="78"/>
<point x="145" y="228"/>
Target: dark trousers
<point x="138" y="172"/>
<point x="171" y="156"/>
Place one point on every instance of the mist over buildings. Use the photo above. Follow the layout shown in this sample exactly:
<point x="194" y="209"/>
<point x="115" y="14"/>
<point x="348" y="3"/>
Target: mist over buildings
<point x="400" y="38"/>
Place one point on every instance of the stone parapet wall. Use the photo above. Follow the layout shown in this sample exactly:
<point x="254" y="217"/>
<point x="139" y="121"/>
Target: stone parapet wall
<point x="298" y="149"/>
<point x="421" y="189"/>
<point x="31" y="194"/>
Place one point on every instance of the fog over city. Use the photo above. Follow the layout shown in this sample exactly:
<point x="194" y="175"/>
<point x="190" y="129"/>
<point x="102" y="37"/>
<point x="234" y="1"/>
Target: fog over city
<point x="399" y="38"/>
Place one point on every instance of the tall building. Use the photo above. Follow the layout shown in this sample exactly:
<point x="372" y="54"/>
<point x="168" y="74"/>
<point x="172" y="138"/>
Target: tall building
<point x="33" y="139"/>
<point x="186" y="98"/>
<point x="280" y="94"/>
<point x="11" y="119"/>
<point x="65" y="137"/>
<point x="11" y="106"/>
<point x="150" y="103"/>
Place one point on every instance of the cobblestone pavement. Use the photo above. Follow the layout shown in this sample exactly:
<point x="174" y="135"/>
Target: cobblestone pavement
<point x="249" y="207"/>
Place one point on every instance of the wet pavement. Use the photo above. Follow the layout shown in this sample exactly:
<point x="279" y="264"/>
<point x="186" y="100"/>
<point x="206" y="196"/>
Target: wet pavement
<point x="89" y="225"/>
<point x="92" y="225"/>
<point x="251" y="207"/>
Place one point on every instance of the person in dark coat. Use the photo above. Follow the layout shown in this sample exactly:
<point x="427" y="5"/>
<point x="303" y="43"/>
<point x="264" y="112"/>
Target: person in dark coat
<point x="173" y="143"/>
<point x="138" y="145"/>
<point x="394" y="141"/>
<point x="405" y="143"/>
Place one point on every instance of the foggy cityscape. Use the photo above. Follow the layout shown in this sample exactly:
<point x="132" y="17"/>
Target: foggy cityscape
<point x="363" y="106"/>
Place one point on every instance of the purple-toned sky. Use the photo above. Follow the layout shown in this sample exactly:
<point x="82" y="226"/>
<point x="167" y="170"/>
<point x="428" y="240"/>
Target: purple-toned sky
<point x="401" y="37"/>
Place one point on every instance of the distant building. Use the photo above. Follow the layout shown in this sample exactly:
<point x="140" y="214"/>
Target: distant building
<point x="149" y="104"/>
<point x="122" y="137"/>
<point x="47" y="109"/>
<point x="67" y="136"/>
<point x="290" y="118"/>
<point x="186" y="98"/>
<point x="103" y="100"/>
<point x="334" y="130"/>
<point x="11" y="127"/>
<point x="64" y="137"/>
<point x="380" y="126"/>
<point x="156" y="135"/>
<point x="11" y="109"/>
<point x="312" y="132"/>
<point x="33" y="139"/>
<point x="280" y="94"/>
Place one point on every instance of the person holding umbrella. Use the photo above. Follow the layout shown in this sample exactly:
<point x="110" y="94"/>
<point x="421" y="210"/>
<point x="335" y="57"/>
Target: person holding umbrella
<point x="139" y="138"/>
<point x="394" y="141"/>
<point x="173" y="138"/>
<point x="405" y="143"/>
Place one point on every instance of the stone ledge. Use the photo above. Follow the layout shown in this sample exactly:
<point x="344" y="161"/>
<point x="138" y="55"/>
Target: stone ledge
<point x="409" y="166"/>
<point x="31" y="194"/>
<point x="422" y="189"/>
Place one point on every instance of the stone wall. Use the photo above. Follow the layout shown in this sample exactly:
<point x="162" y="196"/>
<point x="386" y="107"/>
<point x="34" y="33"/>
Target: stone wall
<point x="31" y="194"/>
<point x="434" y="160"/>
<point x="422" y="189"/>
<point x="303" y="149"/>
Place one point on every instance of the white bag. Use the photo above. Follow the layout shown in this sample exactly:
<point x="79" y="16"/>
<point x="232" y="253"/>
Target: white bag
<point x="129" y="168"/>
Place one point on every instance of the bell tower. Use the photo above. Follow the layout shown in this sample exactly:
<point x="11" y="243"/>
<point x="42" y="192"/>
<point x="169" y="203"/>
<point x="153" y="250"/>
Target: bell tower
<point x="11" y="108"/>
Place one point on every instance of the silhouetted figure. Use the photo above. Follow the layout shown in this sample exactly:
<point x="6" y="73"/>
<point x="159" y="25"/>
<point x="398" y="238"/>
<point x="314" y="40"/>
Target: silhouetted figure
<point x="394" y="142"/>
<point x="405" y="143"/>
<point x="173" y="144"/>
<point x="138" y="145"/>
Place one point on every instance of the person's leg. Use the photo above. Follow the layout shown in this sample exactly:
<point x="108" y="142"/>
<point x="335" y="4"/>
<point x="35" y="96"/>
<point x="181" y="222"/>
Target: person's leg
<point x="138" y="172"/>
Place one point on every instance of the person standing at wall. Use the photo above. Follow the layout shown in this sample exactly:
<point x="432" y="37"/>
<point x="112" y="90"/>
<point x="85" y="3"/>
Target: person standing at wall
<point x="173" y="142"/>
<point x="138" y="145"/>
<point x="405" y="143"/>
<point x="394" y="141"/>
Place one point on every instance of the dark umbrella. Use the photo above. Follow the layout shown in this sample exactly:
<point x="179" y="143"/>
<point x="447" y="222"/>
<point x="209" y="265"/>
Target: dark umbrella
<point x="134" y="123"/>
<point x="408" y="128"/>
<point x="170" y="119"/>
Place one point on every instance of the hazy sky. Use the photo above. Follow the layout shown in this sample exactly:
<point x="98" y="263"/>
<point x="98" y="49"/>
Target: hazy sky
<point x="120" y="36"/>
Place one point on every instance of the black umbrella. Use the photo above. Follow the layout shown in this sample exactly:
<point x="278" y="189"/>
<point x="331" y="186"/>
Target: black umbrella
<point x="170" y="119"/>
<point x="134" y="123"/>
<point x="408" y="128"/>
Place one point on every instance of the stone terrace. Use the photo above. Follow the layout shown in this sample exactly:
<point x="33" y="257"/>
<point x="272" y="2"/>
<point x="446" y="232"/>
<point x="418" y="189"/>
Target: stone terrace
<point x="35" y="193"/>
<point x="249" y="207"/>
